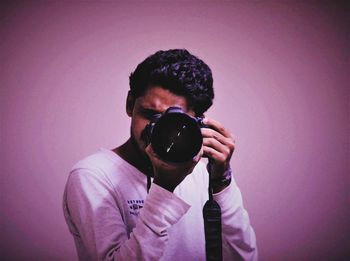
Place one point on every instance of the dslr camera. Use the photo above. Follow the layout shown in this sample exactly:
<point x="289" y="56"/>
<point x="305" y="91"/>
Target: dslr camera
<point x="174" y="135"/>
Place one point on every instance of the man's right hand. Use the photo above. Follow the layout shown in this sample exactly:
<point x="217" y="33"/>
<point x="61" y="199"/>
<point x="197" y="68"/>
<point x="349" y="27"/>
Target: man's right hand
<point x="170" y="175"/>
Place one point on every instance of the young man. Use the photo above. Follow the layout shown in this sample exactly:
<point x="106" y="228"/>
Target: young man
<point x="108" y="209"/>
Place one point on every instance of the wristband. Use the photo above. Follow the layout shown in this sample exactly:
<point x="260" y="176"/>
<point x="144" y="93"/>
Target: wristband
<point x="224" y="180"/>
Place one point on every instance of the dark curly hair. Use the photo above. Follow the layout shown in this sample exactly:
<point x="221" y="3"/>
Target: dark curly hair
<point x="178" y="71"/>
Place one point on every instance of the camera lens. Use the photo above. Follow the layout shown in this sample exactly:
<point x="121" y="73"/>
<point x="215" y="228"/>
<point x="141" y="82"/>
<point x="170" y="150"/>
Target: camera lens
<point x="176" y="137"/>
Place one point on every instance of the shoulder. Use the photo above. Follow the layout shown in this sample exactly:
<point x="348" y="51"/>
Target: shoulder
<point x="103" y="168"/>
<point x="89" y="181"/>
<point x="92" y="170"/>
<point x="97" y="161"/>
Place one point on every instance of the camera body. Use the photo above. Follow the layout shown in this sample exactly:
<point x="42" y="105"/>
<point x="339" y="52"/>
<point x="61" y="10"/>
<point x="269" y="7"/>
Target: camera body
<point x="174" y="135"/>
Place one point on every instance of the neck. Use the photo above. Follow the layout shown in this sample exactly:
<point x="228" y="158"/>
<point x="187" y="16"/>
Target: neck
<point x="131" y="153"/>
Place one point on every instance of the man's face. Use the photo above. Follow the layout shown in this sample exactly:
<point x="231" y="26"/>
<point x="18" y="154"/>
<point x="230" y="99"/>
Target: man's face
<point x="155" y="100"/>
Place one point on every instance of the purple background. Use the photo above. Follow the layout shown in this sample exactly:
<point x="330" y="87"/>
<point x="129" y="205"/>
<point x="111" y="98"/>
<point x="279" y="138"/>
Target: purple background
<point x="281" y="78"/>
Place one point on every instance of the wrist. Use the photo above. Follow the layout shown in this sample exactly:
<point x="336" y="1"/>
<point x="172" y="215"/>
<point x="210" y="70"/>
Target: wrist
<point x="220" y="183"/>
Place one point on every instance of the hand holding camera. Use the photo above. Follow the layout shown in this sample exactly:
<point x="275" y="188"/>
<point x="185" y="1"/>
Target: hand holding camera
<point x="174" y="146"/>
<point x="177" y="141"/>
<point x="169" y="175"/>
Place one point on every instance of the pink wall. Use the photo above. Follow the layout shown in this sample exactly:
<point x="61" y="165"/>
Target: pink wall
<point x="280" y="73"/>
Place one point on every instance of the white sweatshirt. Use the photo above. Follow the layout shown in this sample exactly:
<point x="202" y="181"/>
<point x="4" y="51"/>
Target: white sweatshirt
<point x="111" y="216"/>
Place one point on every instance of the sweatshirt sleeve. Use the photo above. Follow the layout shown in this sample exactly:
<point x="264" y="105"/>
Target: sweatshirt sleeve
<point x="96" y="221"/>
<point x="239" y="241"/>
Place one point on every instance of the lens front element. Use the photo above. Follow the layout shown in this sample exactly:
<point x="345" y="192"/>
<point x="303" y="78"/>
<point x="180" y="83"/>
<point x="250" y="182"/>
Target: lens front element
<point x="176" y="137"/>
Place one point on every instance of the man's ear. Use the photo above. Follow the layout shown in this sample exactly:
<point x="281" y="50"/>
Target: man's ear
<point x="130" y="102"/>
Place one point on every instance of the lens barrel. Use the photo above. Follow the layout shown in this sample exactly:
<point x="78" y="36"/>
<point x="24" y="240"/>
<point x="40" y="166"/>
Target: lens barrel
<point x="176" y="137"/>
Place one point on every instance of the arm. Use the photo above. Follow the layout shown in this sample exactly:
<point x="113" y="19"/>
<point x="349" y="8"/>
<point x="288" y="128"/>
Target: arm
<point x="238" y="237"/>
<point x="96" y="220"/>
<point x="239" y="242"/>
